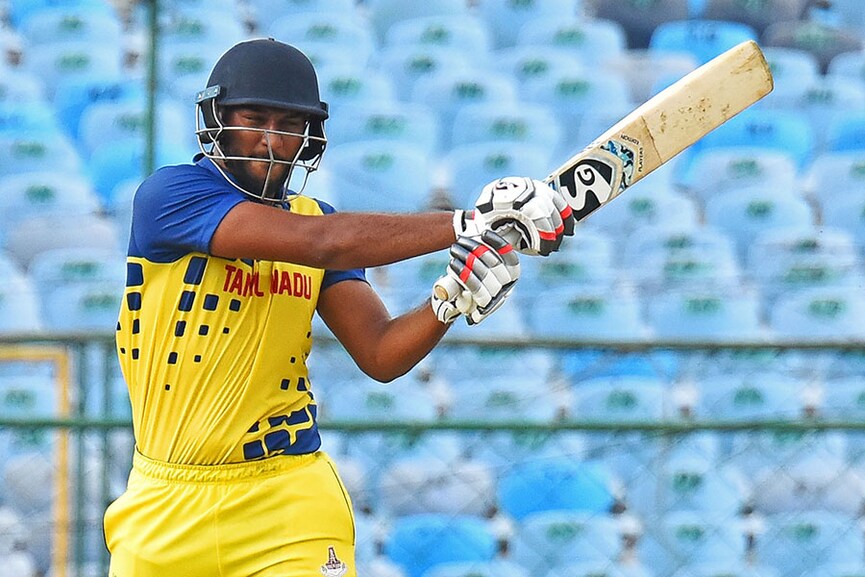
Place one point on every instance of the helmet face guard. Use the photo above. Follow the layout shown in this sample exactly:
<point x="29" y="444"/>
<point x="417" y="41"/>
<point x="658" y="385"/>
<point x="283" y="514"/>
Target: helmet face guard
<point x="265" y="73"/>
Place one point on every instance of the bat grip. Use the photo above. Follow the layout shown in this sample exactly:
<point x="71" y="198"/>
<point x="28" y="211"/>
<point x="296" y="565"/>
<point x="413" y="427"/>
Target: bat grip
<point x="446" y="288"/>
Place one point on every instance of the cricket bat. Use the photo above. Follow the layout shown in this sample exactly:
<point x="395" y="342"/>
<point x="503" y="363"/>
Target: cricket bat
<point x="658" y="130"/>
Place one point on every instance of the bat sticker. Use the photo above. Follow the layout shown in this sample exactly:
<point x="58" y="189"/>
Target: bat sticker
<point x="602" y="175"/>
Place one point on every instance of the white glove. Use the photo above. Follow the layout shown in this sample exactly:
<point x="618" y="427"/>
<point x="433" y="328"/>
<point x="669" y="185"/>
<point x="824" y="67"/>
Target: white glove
<point x="480" y="277"/>
<point x="528" y="213"/>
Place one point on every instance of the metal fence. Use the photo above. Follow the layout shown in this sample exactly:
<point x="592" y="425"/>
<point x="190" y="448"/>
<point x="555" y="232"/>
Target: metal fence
<point x="517" y="457"/>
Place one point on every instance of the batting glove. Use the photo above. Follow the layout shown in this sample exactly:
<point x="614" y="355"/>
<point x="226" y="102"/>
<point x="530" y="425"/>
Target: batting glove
<point x="530" y="215"/>
<point x="481" y="275"/>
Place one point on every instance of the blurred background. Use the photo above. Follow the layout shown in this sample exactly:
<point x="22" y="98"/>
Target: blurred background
<point x="679" y="391"/>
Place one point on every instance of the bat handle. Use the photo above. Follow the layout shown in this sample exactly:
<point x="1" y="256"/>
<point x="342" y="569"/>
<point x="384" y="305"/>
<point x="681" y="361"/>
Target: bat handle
<point x="446" y="288"/>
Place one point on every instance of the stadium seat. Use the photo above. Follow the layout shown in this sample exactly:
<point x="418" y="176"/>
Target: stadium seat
<point x="383" y="14"/>
<point x="545" y="543"/>
<point x="756" y="15"/>
<point x="29" y="397"/>
<point x="469" y="167"/>
<point x="461" y="32"/>
<point x="406" y="65"/>
<point x="586" y="258"/>
<point x="501" y="399"/>
<point x="58" y="62"/>
<point x="688" y="537"/>
<point x="846" y="133"/>
<point x="646" y="69"/>
<point x="37" y="152"/>
<point x="74" y="95"/>
<point x="587" y="312"/>
<point x="788" y="132"/>
<point x="267" y="10"/>
<point x="727" y="569"/>
<point x="496" y="568"/>
<point x="505" y="19"/>
<point x="21" y="12"/>
<point x="54" y="270"/>
<point x="215" y="27"/>
<point x="705" y="39"/>
<point x="363" y="399"/>
<point x="561" y="484"/>
<point x="650" y="202"/>
<point x="639" y="19"/>
<point x="375" y="175"/>
<point x="416" y="485"/>
<point x="39" y="233"/>
<point x="51" y="192"/>
<point x="823" y="40"/>
<point x="20" y="86"/>
<point x="18" y="118"/>
<point x="307" y="31"/>
<point x="344" y="85"/>
<point x="119" y="121"/>
<point x="396" y="123"/>
<point x="715" y="171"/>
<point x="850" y="65"/>
<point x="589" y="39"/>
<point x="183" y="69"/>
<point x="447" y="92"/>
<point x="534" y="64"/>
<point x="749" y="397"/>
<point x="847" y="212"/>
<point x="19" y="305"/>
<point x="810" y="484"/>
<point x="671" y="241"/>
<point x="787" y="260"/>
<point x="63" y="24"/>
<point x="510" y="122"/>
<point x="833" y="175"/>
<point x="794" y="543"/>
<point x="707" y="313"/>
<point x="830" y="313"/>
<point x="420" y="542"/>
<point x="747" y="212"/>
<point x="790" y="67"/>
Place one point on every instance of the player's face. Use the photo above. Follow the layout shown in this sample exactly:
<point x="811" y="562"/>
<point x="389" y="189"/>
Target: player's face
<point x="256" y="143"/>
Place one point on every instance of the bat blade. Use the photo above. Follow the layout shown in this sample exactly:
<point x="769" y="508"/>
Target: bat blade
<point x="662" y="127"/>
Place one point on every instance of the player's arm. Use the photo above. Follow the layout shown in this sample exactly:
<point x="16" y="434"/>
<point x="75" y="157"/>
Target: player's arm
<point x="530" y="215"/>
<point x="385" y="348"/>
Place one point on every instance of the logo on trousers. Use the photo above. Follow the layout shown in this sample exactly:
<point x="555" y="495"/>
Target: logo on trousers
<point x="334" y="567"/>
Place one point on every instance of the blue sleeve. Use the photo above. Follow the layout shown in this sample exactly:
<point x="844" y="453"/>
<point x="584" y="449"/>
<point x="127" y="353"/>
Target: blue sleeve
<point x="176" y="211"/>
<point x="332" y="277"/>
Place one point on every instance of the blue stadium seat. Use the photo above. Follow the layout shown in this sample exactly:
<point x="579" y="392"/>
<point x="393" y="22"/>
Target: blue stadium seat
<point x="396" y="123"/>
<point x="501" y="399"/>
<point x="834" y="39"/>
<point x="58" y="62"/>
<point x="546" y="543"/>
<point x="588" y="312"/>
<point x="794" y="543"/>
<point x="346" y="84"/>
<point x="639" y="19"/>
<point x="118" y="121"/>
<point x="23" y="10"/>
<point x="495" y="568"/>
<point x="850" y="65"/>
<point x="835" y="174"/>
<point x="76" y="22"/>
<point x="506" y="19"/>
<point x="76" y="94"/>
<point x="308" y="31"/>
<point x="20" y="86"/>
<point x="646" y="70"/>
<point x="183" y="69"/>
<point x="790" y="67"/>
<point x="50" y="192"/>
<point x="650" y="202"/>
<point x="457" y="31"/>
<point x="846" y="133"/>
<point x="375" y="175"/>
<point x="586" y="38"/>
<point x="447" y="92"/>
<point x="420" y="542"/>
<point x="406" y="65"/>
<point x="747" y="212"/>
<point x="586" y="258"/>
<point x="533" y="64"/>
<point x="717" y="170"/>
<point x="266" y="10"/>
<point x="833" y="313"/>
<point x="705" y="39"/>
<point x="363" y="399"/>
<point x="847" y="212"/>
<point x="214" y="27"/>
<point x="724" y="568"/>
<point x="757" y="15"/>
<point x="744" y="397"/>
<point x="809" y="483"/>
<point x="383" y="14"/>
<point x="37" y="152"/>
<point x="707" y="313"/>
<point x="561" y="484"/>
<point x="469" y="167"/>
<point x="687" y="537"/>
<point x="39" y="233"/>
<point x="670" y="241"/>
<point x="510" y="122"/>
<point x="20" y="118"/>
<point x="29" y="397"/>
<point x="19" y="305"/>
<point x="414" y="485"/>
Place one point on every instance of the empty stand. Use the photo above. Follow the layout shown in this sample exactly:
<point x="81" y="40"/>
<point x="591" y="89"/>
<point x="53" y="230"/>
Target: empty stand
<point x="702" y="38"/>
<point x="639" y="19"/>
<point x="831" y="313"/>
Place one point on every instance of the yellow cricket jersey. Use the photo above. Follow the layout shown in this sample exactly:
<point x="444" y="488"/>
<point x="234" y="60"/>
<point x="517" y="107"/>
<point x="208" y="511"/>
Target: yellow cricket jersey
<point x="214" y="350"/>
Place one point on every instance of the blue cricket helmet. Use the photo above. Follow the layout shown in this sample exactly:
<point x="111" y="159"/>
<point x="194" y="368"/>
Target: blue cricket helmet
<point x="263" y="72"/>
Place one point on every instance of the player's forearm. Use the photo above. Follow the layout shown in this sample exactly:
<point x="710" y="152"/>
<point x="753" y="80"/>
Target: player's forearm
<point x="403" y="342"/>
<point x="336" y="242"/>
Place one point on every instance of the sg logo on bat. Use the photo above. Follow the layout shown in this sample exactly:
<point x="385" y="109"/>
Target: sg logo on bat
<point x="602" y="174"/>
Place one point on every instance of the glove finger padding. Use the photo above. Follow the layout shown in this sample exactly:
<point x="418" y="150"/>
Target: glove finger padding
<point x="488" y="269"/>
<point x="529" y="214"/>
